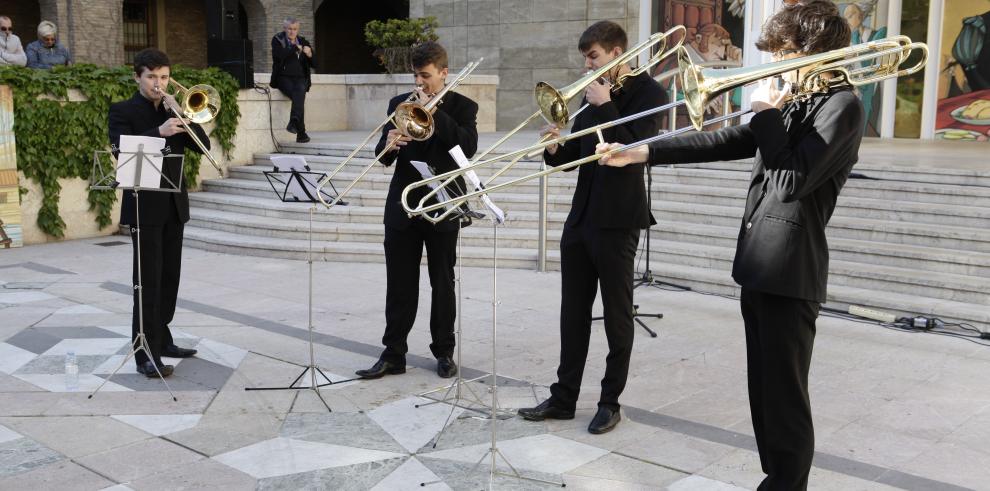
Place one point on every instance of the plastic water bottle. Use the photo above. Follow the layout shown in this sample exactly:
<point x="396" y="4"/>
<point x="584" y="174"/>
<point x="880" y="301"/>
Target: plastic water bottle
<point x="71" y="372"/>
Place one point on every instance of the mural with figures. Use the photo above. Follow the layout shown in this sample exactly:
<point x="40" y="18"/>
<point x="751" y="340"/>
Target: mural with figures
<point x="10" y="202"/>
<point x="868" y="20"/>
<point x="714" y="35"/>
<point x="964" y="72"/>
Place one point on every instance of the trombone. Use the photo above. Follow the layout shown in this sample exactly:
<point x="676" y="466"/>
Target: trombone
<point x="199" y="104"/>
<point x="890" y="54"/>
<point x="413" y="119"/>
<point x="552" y="103"/>
<point x="701" y="85"/>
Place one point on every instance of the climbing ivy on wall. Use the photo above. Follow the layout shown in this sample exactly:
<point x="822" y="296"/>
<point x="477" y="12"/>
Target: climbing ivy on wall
<point x="56" y="139"/>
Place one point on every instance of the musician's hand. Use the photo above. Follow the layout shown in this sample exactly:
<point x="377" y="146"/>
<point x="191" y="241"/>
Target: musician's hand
<point x="768" y="96"/>
<point x="554" y="132"/>
<point x="598" y="93"/>
<point x="171" y="127"/>
<point x="306" y="50"/>
<point x="634" y="155"/>
<point x="397" y="139"/>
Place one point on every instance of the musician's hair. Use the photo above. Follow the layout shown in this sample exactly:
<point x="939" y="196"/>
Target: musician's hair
<point x="606" y="33"/>
<point x="813" y="26"/>
<point x="150" y="58"/>
<point x="428" y="52"/>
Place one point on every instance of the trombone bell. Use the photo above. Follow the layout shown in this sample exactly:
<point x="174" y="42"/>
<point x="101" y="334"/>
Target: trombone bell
<point x="553" y="103"/>
<point x="200" y="103"/>
<point x="414" y="121"/>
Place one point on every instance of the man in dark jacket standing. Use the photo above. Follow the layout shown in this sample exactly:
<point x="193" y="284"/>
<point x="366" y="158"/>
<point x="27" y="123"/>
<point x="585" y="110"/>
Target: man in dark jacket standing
<point x="455" y="124"/>
<point x="163" y="214"/>
<point x="292" y="62"/>
<point x="804" y="152"/>
<point x="598" y="244"/>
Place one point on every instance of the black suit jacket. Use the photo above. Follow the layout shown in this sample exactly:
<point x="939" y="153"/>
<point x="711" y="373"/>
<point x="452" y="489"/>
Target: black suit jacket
<point x="612" y="197"/>
<point x="138" y="116"/>
<point x="282" y="50"/>
<point x="803" y="157"/>
<point x="455" y="120"/>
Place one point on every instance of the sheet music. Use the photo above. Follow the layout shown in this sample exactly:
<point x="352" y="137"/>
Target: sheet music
<point x="292" y="163"/>
<point x="462" y="162"/>
<point x="151" y="164"/>
<point x="424" y="170"/>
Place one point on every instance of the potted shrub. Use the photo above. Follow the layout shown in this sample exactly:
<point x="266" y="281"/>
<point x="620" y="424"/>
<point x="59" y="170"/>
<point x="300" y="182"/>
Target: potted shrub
<point x="394" y="39"/>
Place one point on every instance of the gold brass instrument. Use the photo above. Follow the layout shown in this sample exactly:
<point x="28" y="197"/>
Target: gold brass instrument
<point x="889" y="54"/>
<point x="199" y="104"/>
<point x="413" y="119"/>
<point x="840" y="66"/>
<point x="552" y="103"/>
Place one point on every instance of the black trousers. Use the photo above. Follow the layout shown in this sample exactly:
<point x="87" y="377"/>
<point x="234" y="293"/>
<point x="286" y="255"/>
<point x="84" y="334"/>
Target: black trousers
<point x="780" y="334"/>
<point x="161" y="263"/>
<point x="295" y="89"/>
<point x="403" y="253"/>
<point x="589" y="257"/>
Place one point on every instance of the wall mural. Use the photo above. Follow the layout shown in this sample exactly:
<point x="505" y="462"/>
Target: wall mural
<point x="868" y="20"/>
<point x="714" y="35"/>
<point x="964" y="72"/>
<point x="10" y="202"/>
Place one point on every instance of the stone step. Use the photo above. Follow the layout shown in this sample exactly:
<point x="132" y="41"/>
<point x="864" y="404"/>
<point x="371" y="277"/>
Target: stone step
<point x="887" y="173"/>
<point x="700" y="279"/>
<point x="234" y="243"/>
<point x="924" y="234"/>
<point x="911" y="257"/>
<point x="863" y="188"/>
<point x="351" y="213"/>
<point x="861" y="274"/>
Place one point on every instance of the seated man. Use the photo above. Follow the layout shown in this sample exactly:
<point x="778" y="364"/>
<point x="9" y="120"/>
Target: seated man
<point x="11" y="51"/>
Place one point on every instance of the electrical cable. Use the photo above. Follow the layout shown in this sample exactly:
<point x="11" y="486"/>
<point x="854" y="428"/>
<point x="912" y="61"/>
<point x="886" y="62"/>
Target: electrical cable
<point x="267" y="90"/>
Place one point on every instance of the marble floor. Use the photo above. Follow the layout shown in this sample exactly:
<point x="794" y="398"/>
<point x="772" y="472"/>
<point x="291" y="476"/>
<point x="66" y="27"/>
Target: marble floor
<point x="892" y="410"/>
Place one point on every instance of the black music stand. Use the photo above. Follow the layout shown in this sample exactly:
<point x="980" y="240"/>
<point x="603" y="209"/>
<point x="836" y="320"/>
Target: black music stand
<point x="297" y="188"/>
<point x="298" y="185"/>
<point x="141" y="162"/>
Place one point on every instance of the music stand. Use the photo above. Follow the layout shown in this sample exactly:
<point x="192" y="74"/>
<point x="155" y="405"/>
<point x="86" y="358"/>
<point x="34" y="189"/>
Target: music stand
<point x="141" y="171"/>
<point x="296" y="191"/>
<point x="497" y="218"/>
<point x="453" y="393"/>
<point x="298" y="183"/>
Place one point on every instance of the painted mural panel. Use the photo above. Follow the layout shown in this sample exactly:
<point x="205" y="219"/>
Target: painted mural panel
<point x="964" y="72"/>
<point x="10" y="201"/>
<point x="868" y="20"/>
<point x="715" y="31"/>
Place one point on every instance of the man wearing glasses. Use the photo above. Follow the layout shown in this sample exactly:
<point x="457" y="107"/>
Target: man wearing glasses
<point x="11" y="51"/>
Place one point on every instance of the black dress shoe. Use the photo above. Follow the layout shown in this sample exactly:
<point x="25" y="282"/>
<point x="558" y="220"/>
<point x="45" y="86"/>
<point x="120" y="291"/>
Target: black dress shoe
<point x="148" y="369"/>
<point x="177" y="352"/>
<point x="546" y="410"/>
<point x="380" y="369"/>
<point x="446" y="367"/>
<point x="302" y="137"/>
<point x="604" y="421"/>
<point x="292" y="128"/>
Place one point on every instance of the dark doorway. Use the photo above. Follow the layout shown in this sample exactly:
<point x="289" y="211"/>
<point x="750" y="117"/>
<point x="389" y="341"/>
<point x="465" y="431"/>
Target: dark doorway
<point x="25" y="16"/>
<point x="340" y="46"/>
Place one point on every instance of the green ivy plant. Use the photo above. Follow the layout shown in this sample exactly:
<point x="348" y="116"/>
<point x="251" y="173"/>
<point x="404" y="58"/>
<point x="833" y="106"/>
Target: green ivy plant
<point x="394" y="37"/>
<point x="56" y="138"/>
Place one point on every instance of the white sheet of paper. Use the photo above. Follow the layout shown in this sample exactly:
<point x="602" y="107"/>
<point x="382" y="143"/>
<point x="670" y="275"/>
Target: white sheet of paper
<point x="424" y="170"/>
<point x="288" y="163"/>
<point x="463" y="162"/>
<point x="151" y="164"/>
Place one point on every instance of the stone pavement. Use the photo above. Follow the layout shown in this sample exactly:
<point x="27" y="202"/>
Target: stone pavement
<point x="892" y="410"/>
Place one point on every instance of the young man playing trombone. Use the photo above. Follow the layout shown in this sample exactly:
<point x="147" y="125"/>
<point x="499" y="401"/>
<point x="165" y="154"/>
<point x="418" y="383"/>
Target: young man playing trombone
<point x="163" y="215"/>
<point x="601" y="233"/>
<point x="804" y="150"/>
<point x="455" y="124"/>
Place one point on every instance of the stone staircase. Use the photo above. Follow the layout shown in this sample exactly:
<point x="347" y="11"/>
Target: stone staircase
<point x="907" y="240"/>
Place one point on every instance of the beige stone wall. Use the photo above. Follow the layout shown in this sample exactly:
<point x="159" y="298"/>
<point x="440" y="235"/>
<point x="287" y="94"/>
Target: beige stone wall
<point x="185" y="32"/>
<point x="523" y="41"/>
<point x="91" y="30"/>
